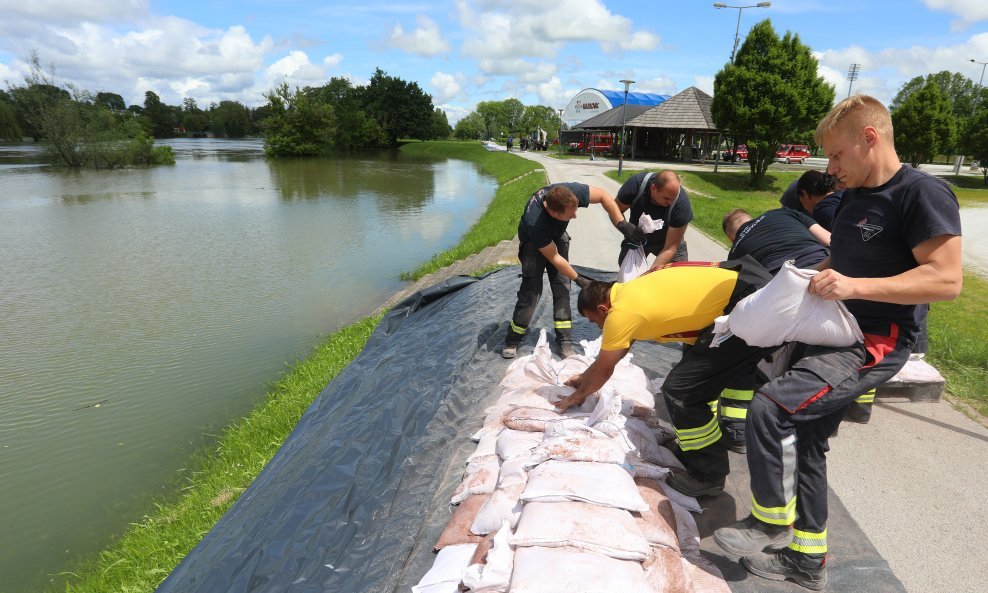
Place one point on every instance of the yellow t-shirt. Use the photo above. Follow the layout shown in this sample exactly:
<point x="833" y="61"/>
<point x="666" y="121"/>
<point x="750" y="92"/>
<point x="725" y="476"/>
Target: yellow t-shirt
<point x="669" y="305"/>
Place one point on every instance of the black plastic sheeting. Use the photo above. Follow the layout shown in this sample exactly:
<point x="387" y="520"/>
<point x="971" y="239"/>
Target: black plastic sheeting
<point x="359" y="492"/>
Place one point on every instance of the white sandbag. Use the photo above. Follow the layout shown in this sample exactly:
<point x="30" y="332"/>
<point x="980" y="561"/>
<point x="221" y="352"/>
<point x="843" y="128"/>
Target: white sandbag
<point x="785" y="311"/>
<point x="666" y="571"/>
<point x="917" y="371"/>
<point x="605" y="484"/>
<point x="634" y="264"/>
<point x="457" y="530"/>
<point x="494" y="575"/>
<point x="648" y="224"/>
<point x="680" y="499"/>
<point x="686" y="529"/>
<point x="512" y="443"/>
<point x="513" y="471"/>
<point x="608" y="531"/>
<point x="639" y="468"/>
<point x="494" y="426"/>
<point x="480" y="477"/>
<point x="591" y="349"/>
<point x="447" y="568"/>
<point x="566" y="570"/>
<point x="626" y="370"/>
<point x="542" y="367"/>
<point x="529" y="419"/>
<point x="486" y="446"/>
<point x="648" y="446"/>
<point x="504" y="504"/>
<point x="579" y="447"/>
<point x="706" y="577"/>
<point x="658" y="523"/>
<point x="636" y="399"/>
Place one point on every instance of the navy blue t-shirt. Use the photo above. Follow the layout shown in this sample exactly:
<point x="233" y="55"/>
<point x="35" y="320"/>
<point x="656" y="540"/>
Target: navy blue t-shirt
<point x="680" y="215"/>
<point x="777" y="236"/>
<point x="825" y="209"/>
<point x="875" y="231"/>
<point x="540" y="229"/>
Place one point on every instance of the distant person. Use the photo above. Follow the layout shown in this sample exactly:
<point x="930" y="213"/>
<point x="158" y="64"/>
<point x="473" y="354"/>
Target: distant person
<point x="816" y="194"/>
<point x="544" y="248"/>
<point x="511" y="142"/>
<point x="895" y="244"/>
<point x="662" y="197"/>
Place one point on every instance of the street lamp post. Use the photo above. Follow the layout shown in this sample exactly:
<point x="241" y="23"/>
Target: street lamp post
<point x="559" y="136"/>
<point x="624" y="119"/>
<point x="737" y="30"/>
<point x="977" y="91"/>
<point x="852" y="75"/>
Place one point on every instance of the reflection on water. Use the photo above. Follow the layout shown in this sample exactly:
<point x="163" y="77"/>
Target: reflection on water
<point x="173" y="297"/>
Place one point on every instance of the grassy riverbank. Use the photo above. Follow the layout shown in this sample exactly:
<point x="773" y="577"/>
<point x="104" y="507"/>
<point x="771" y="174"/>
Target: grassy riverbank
<point x="956" y="347"/>
<point x="153" y="546"/>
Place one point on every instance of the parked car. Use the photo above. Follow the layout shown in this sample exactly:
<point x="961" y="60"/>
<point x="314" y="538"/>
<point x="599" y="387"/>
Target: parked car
<point x="599" y="143"/>
<point x="740" y="153"/>
<point x="789" y="153"/>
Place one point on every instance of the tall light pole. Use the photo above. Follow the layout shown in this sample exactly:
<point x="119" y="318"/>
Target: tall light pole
<point x="977" y="90"/>
<point x="624" y="119"/>
<point x="737" y="30"/>
<point x="852" y="75"/>
<point x="559" y="137"/>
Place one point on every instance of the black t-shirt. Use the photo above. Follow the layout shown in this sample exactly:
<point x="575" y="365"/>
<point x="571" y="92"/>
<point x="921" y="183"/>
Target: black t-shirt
<point x="777" y="236"/>
<point x="678" y="215"/>
<point x="540" y="229"/>
<point x="790" y="197"/>
<point x="875" y="231"/>
<point x="826" y="208"/>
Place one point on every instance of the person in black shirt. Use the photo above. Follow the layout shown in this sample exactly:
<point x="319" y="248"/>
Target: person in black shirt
<point x="896" y="243"/>
<point x="662" y="197"/>
<point x="816" y="194"/>
<point x="544" y="247"/>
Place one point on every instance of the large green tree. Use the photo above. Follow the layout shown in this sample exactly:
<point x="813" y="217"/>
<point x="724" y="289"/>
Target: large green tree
<point x="975" y="139"/>
<point x="162" y="119"/>
<point x="298" y="124"/>
<point x="9" y="129"/>
<point x="401" y="108"/>
<point x="770" y="95"/>
<point x="354" y="127"/>
<point x="540" y="116"/>
<point x="490" y="114"/>
<point x="470" y="127"/>
<point x="230" y="119"/>
<point x="924" y="125"/>
<point x="959" y="90"/>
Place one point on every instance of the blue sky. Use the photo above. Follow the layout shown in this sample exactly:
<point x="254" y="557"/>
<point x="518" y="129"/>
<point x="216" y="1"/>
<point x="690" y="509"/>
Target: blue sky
<point x="465" y="51"/>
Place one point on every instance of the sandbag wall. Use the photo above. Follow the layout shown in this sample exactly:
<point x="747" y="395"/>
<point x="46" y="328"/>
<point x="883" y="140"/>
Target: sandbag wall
<point x="572" y="501"/>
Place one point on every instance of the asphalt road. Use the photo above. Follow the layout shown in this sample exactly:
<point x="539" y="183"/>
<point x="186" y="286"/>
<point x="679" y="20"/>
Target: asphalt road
<point x="915" y="478"/>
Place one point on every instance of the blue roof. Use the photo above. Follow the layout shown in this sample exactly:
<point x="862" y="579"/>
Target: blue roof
<point x="617" y="98"/>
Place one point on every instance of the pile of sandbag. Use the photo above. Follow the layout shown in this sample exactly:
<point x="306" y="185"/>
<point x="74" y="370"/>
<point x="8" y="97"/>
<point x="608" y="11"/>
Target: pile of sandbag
<point x="572" y="501"/>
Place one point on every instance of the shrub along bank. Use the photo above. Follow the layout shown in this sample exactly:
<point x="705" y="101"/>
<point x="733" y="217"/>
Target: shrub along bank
<point x="956" y="347"/>
<point x="153" y="546"/>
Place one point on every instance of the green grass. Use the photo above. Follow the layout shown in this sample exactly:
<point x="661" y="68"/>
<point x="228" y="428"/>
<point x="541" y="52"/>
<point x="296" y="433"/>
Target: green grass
<point x="970" y="190"/>
<point x="153" y="546"/>
<point x="518" y="179"/>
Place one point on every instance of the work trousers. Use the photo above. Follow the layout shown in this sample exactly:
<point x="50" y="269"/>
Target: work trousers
<point x="790" y="421"/>
<point x="695" y="382"/>
<point x="533" y="265"/>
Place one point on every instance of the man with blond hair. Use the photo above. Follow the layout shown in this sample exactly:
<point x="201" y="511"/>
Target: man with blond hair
<point x="896" y="244"/>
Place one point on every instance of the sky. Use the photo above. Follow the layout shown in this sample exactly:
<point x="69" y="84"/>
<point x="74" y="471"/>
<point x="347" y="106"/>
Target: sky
<point x="461" y="52"/>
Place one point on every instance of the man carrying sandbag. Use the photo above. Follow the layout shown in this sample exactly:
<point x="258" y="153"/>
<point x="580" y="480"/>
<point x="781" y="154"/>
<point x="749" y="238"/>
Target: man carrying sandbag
<point x="545" y="248"/>
<point x="678" y="303"/>
<point x="661" y="197"/>
<point x="895" y="244"/>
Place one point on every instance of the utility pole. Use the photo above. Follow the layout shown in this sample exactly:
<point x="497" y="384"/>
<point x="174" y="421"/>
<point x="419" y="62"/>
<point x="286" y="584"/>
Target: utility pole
<point x="852" y="75"/>
<point x="624" y="119"/>
<point x="737" y="29"/>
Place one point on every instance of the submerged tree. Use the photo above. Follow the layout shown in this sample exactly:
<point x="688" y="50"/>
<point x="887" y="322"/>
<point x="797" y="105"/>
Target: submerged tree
<point x="771" y="94"/>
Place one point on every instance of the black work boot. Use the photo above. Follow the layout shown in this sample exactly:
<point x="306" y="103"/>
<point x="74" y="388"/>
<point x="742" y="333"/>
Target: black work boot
<point x="750" y="536"/>
<point x="693" y="486"/>
<point x="787" y="565"/>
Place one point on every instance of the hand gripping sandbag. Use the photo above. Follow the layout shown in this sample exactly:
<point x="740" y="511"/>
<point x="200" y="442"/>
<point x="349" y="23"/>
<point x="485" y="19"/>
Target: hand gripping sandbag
<point x="785" y="311"/>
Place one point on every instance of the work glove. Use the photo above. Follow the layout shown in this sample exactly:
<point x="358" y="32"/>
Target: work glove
<point x="582" y="281"/>
<point x="631" y="232"/>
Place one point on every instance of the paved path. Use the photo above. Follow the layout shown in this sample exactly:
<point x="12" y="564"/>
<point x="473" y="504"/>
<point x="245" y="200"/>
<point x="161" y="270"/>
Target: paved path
<point x="915" y="478"/>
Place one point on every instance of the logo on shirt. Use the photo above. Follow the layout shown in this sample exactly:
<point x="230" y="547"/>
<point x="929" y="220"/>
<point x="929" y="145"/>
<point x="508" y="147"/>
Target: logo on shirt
<point x="868" y="230"/>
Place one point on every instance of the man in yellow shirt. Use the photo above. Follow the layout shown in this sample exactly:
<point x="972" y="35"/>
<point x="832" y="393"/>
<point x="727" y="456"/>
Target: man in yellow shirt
<point x="679" y="303"/>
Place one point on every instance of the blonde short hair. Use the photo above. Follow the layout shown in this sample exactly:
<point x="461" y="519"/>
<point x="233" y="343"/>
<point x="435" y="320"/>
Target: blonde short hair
<point x="855" y="113"/>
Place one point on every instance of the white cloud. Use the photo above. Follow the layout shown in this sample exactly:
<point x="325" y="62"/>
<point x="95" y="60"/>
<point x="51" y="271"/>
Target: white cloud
<point x="425" y="40"/>
<point x="72" y="12"/>
<point x="333" y="60"/>
<point x="705" y="84"/>
<point x="969" y="11"/>
<point x="454" y="113"/>
<point x="445" y="87"/>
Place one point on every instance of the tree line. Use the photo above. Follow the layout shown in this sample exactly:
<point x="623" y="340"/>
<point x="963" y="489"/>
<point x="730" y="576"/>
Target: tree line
<point x="510" y="117"/>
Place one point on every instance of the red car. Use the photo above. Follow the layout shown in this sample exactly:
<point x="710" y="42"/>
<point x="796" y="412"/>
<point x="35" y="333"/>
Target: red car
<point x="599" y="143"/>
<point x="740" y="153"/>
<point x="788" y="153"/>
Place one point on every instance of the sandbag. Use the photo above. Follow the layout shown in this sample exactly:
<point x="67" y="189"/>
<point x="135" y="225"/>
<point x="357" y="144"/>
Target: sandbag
<point x="633" y="265"/>
<point x="785" y="311"/>
<point x="667" y="572"/>
<point x="528" y="418"/>
<point x="566" y="570"/>
<point x="706" y="577"/>
<point x="605" y="484"/>
<point x="514" y="443"/>
<point x="480" y="477"/>
<point x="492" y="573"/>
<point x="680" y="499"/>
<point x="504" y="504"/>
<point x="457" y="530"/>
<point x="658" y="523"/>
<point x="579" y="447"/>
<point x="605" y="530"/>
<point x="447" y="570"/>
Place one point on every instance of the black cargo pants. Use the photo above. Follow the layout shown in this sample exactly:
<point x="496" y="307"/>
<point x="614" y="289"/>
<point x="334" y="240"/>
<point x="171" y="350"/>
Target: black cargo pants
<point x="533" y="265"/>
